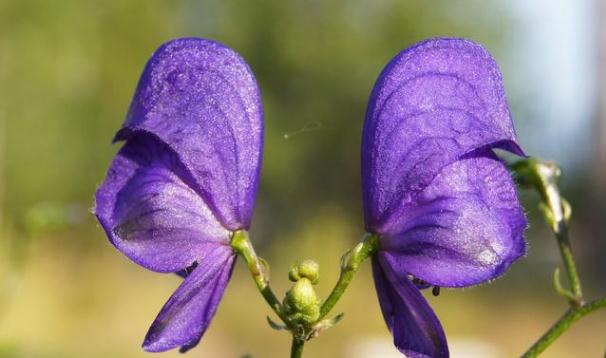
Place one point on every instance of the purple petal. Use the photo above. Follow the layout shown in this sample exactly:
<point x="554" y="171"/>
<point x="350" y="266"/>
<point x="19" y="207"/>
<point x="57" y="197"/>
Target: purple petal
<point x="189" y="311"/>
<point x="415" y="328"/>
<point x="202" y="100"/>
<point x="466" y="227"/>
<point x="432" y="104"/>
<point x="150" y="211"/>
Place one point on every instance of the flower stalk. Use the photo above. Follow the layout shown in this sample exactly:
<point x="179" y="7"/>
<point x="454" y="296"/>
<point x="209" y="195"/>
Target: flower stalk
<point x="350" y="263"/>
<point x="241" y="244"/>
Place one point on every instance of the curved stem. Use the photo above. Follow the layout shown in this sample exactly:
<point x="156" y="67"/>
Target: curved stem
<point x="572" y="315"/>
<point x="243" y="247"/>
<point x="349" y="266"/>
<point x="550" y="192"/>
<point x="296" y="349"/>
<point x="543" y="177"/>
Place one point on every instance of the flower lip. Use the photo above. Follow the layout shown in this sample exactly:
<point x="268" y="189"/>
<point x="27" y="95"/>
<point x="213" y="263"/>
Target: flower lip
<point x="189" y="311"/>
<point x="416" y="330"/>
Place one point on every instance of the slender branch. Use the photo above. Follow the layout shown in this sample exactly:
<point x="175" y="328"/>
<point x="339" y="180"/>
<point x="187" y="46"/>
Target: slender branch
<point x="296" y="349"/>
<point x="557" y="284"/>
<point x="349" y="266"/>
<point x="572" y="315"/>
<point x="569" y="264"/>
<point x="243" y="247"/>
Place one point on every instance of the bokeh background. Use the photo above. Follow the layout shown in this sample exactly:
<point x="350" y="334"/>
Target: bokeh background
<point x="67" y="73"/>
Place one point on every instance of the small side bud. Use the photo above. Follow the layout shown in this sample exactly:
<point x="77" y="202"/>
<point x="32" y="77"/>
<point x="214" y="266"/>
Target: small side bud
<point x="293" y="273"/>
<point x="305" y="269"/>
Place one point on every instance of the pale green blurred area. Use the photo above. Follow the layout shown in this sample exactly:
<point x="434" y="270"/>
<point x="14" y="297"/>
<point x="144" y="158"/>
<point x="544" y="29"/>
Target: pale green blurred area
<point x="67" y="73"/>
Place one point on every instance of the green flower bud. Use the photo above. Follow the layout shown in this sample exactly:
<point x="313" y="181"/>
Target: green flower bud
<point x="301" y="303"/>
<point x="305" y="269"/>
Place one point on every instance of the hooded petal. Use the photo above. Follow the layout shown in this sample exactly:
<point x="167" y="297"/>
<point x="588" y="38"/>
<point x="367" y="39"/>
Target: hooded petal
<point x="189" y="311"/>
<point x="201" y="99"/>
<point x="466" y="227"/>
<point x="432" y="104"/>
<point x="415" y="328"/>
<point x="150" y="211"/>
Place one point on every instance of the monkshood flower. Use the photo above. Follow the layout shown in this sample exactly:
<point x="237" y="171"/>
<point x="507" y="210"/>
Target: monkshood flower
<point x="442" y="204"/>
<point x="185" y="179"/>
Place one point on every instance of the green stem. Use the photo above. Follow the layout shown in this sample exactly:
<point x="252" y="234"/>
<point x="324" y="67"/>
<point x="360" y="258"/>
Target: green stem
<point x="572" y="315"/>
<point x="349" y="266"/>
<point x="543" y="177"/>
<point x="296" y="349"/>
<point x="569" y="264"/>
<point x="243" y="247"/>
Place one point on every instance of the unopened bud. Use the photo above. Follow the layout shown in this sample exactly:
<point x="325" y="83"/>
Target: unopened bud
<point x="305" y="269"/>
<point x="301" y="303"/>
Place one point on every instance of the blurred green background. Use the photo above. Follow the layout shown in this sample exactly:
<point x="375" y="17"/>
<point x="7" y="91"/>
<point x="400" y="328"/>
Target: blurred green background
<point x="67" y="73"/>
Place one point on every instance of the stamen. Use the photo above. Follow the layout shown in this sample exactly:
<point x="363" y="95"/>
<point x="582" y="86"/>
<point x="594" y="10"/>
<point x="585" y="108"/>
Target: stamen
<point x="435" y="291"/>
<point x="189" y="269"/>
<point x="418" y="281"/>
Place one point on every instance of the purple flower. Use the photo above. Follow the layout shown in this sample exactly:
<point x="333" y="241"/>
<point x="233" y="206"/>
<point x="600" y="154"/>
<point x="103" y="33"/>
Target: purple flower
<point x="443" y="205"/>
<point x="185" y="179"/>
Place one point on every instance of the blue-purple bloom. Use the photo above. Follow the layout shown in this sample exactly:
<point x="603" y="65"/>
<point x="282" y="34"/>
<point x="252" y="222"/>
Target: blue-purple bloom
<point x="185" y="179"/>
<point x="444" y="206"/>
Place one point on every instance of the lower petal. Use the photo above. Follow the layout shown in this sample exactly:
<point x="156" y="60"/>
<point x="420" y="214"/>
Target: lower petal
<point x="416" y="329"/>
<point x="149" y="210"/>
<point x="465" y="228"/>
<point x="189" y="311"/>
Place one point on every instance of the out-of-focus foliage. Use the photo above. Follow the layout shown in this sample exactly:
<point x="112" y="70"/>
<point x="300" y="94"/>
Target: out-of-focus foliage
<point x="69" y="69"/>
